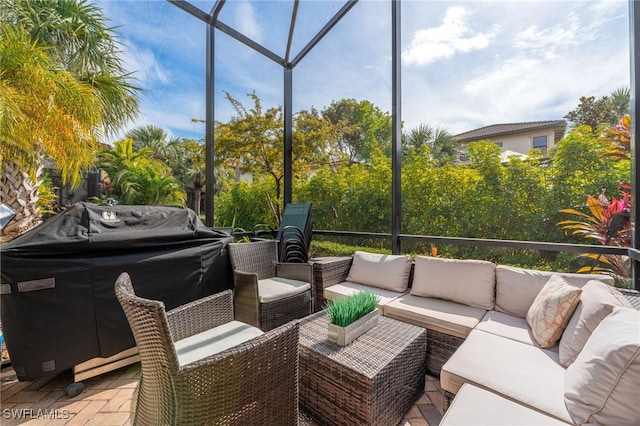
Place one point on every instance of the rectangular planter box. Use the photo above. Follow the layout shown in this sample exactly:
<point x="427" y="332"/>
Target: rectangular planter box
<point x="344" y="335"/>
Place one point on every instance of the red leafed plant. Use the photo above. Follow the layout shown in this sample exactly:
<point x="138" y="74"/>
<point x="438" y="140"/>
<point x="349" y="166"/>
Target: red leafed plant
<point x="619" y="138"/>
<point x="608" y="223"/>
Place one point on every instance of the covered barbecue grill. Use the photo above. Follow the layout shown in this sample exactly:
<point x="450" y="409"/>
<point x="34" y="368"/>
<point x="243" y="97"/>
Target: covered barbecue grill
<point x="58" y="305"/>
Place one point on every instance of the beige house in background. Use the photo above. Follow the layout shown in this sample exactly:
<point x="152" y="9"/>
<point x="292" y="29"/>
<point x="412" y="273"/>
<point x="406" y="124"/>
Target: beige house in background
<point x="516" y="138"/>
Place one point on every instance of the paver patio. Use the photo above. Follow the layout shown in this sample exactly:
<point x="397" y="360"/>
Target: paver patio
<point x="109" y="400"/>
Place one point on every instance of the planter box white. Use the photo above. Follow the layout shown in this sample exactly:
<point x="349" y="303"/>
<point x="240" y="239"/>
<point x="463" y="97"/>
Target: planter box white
<point x="345" y="335"/>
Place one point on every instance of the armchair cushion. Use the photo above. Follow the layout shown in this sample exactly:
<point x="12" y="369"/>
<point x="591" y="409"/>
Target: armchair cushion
<point x="277" y="288"/>
<point x="470" y="282"/>
<point x="551" y="310"/>
<point x="601" y="386"/>
<point x="596" y="303"/>
<point x="213" y="341"/>
<point x="389" y="272"/>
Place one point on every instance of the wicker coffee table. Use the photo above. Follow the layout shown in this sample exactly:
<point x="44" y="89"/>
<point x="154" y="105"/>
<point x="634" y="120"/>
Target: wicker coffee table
<point x="373" y="381"/>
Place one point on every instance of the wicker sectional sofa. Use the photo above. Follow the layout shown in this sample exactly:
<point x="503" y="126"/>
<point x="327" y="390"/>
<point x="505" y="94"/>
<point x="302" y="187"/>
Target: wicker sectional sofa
<point x="481" y="345"/>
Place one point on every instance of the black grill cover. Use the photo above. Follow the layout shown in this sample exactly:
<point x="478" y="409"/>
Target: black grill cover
<point x="58" y="305"/>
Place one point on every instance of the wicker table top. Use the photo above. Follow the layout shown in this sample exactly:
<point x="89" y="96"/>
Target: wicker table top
<point x="369" y="353"/>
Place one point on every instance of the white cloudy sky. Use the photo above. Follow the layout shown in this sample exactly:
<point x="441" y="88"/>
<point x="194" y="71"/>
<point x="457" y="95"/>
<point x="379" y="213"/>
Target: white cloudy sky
<point x="465" y="64"/>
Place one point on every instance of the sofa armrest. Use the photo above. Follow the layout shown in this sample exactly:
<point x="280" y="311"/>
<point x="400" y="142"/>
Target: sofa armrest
<point x="328" y="271"/>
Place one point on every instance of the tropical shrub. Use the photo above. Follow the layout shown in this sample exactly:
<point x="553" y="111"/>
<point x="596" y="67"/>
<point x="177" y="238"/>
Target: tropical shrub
<point x="608" y="221"/>
<point x="136" y="178"/>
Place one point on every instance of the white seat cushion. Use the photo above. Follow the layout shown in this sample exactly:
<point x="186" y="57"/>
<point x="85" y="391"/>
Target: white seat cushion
<point x="276" y="288"/>
<point x="435" y="314"/>
<point x="509" y="326"/>
<point x="527" y="374"/>
<point x="476" y="406"/>
<point x="347" y="288"/>
<point x="214" y="341"/>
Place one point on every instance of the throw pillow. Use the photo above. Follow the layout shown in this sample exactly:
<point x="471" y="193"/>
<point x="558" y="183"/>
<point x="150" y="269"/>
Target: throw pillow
<point x="551" y="310"/>
<point x="470" y="282"/>
<point x="596" y="303"/>
<point x="601" y="386"/>
<point x="390" y="272"/>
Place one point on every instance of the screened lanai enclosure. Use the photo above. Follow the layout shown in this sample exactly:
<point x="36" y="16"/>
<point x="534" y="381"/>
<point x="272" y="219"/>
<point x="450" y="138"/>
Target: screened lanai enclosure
<point x="301" y="26"/>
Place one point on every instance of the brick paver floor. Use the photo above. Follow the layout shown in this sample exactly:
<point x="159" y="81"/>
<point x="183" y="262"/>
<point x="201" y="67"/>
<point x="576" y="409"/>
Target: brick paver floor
<point x="109" y="400"/>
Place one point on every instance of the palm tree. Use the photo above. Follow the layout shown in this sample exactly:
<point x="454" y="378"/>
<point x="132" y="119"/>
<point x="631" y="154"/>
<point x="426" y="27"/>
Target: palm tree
<point x="137" y="178"/>
<point x="43" y="110"/>
<point x="421" y="135"/>
<point x="442" y="145"/>
<point x="73" y="36"/>
<point x="186" y="159"/>
<point x="152" y="137"/>
<point x="620" y="100"/>
<point x="81" y="42"/>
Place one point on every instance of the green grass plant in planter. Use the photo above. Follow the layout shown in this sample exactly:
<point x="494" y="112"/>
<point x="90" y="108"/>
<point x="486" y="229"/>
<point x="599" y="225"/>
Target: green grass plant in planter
<point x="351" y="316"/>
<point x="346" y="310"/>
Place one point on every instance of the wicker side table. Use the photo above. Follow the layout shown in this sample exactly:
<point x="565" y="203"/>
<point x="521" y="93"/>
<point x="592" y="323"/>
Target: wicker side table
<point x="372" y="381"/>
<point x="328" y="271"/>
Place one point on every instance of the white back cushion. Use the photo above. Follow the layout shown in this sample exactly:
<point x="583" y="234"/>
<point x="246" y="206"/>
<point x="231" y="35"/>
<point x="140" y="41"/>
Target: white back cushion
<point x="470" y="282"/>
<point x="517" y="288"/>
<point x="596" y="303"/>
<point x="386" y="271"/>
<point x="601" y="386"/>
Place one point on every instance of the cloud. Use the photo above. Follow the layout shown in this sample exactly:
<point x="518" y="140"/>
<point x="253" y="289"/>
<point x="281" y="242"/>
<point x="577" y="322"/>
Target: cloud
<point x="552" y="41"/>
<point x="452" y="36"/>
<point x="148" y="69"/>
<point x="247" y="23"/>
<point x="506" y="60"/>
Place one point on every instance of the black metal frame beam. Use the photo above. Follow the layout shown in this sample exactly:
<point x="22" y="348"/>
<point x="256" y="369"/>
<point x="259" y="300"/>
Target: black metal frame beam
<point x="191" y="10"/>
<point x="215" y="10"/>
<point x="482" y="242"/>
<point x="634" y="47"/>
<point x="212" y="20"/>
<point x="249" y="42"/>
<point x="292" y="26"/>
<point x="324" y="31"/>
<point x="209" y="145"/>
<point x="396" y="125"/>
<point x="288" y="134"/>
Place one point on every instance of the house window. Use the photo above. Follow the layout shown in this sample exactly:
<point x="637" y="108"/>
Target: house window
<point x="540" y="142"/>
<point x="499" y="144"/>
<point x="464" y="155"/>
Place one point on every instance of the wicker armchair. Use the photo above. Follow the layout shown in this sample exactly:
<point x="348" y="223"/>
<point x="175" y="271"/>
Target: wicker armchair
<point x="199" y="367"/>
<point x="267" y="293"/>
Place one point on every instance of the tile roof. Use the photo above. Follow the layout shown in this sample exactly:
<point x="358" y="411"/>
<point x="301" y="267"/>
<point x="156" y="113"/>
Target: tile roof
<point x="507" y="128"/>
